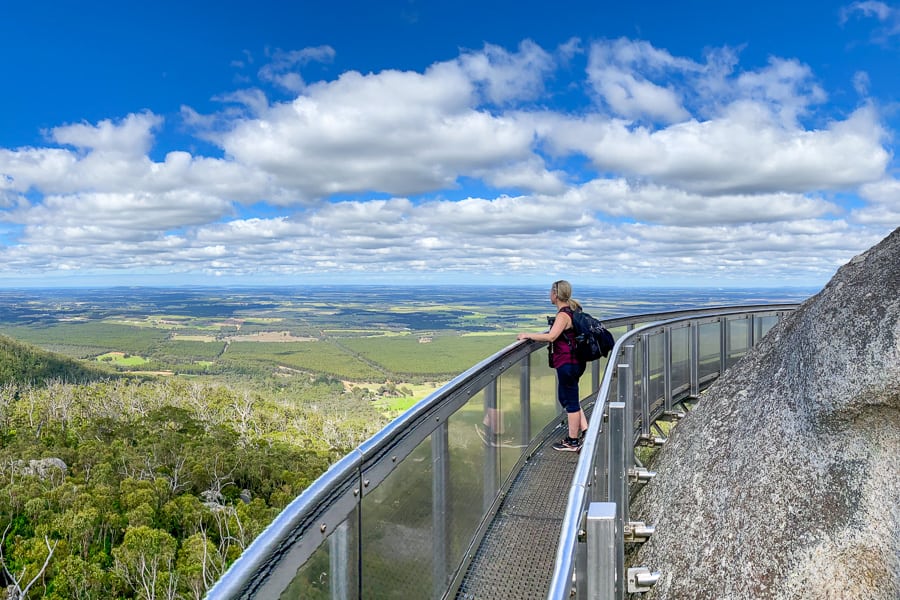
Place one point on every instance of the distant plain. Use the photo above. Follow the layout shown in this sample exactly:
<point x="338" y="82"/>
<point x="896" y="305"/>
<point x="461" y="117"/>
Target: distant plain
<point x="411" y="338"/>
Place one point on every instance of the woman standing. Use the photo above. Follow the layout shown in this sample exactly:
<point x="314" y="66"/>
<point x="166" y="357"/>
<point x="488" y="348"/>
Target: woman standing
<point x="568" y="368"/>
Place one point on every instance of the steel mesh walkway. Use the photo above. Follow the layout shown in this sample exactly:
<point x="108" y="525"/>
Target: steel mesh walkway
<point x="515" y="559"/>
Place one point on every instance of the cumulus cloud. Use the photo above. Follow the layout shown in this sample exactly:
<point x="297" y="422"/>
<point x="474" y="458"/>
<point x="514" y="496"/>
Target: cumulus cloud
<point x="688" y="168"/>
<point x="743" y="151"/>
<point x="621" y="74"/>
<point x="507" y="76"/>
<point x="130" y="138"/>
<point x="396" y="132"/>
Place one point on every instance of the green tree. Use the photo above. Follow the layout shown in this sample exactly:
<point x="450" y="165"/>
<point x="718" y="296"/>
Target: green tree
<point x="79" y="579"/>
<point x="145" y="561"/>
<point x="199" y="565"/>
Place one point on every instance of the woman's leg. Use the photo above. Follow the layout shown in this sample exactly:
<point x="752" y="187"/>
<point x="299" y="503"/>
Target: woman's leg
<point x="567" y="392"/>
<point x="575" y="421"/>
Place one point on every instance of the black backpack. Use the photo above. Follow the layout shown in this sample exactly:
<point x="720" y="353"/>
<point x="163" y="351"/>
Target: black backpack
<point x="592" y="339"/>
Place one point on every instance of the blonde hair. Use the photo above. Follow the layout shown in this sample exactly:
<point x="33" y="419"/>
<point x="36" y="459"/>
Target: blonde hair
<point x="563" y="290"/>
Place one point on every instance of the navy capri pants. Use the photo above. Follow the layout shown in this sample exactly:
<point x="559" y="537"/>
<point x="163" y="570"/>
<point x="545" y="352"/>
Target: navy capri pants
<point x="567" y="377"/>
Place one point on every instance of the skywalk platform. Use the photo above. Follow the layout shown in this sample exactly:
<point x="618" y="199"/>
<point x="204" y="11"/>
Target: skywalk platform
<point x="515" y="559"/>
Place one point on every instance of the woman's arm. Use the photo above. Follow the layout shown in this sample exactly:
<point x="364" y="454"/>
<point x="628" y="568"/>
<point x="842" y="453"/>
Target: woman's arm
<point x="561" y="323"/>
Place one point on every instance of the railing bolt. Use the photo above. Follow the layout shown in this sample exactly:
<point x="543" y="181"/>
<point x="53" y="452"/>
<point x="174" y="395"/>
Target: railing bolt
<point x="365" y="483"/>
<point x="323" y="527"/>
<point x="356" y="491"/>
<point x="393" y="459"/>
<point x="641" y="579"/>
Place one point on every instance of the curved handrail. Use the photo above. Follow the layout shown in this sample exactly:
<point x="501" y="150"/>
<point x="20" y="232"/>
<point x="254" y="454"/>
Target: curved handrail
<point x="564" y="565"/>
<point x="259" y="561"/>
<point x="268" y="565"/>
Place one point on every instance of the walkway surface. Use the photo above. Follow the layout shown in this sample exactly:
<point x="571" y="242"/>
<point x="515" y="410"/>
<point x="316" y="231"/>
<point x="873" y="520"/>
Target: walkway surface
<point x="515" y="560"/>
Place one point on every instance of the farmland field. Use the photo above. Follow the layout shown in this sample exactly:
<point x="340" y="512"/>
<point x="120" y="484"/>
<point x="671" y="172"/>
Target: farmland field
<point x="350" y="333"/>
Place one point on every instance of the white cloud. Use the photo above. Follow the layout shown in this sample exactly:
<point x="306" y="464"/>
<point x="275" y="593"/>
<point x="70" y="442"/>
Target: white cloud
<point x="507" y="76"/>
<point x="396" y="132"/>
<point x="696" y="170"/>
<point x="620" y="74"/>
<point x="283" y="68"/>
<point x="121" y="216"/>
<point x="887" y="15"/>
<point x="883" y="207"/>
<point x="674" y="206"/>
<point x="132" y="137"/>
<point x="112" y="157"/>
<point x="741" y="152"/>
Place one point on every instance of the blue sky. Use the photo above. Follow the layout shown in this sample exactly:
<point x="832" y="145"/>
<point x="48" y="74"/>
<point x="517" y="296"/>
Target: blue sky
<point x="694" y="143"/>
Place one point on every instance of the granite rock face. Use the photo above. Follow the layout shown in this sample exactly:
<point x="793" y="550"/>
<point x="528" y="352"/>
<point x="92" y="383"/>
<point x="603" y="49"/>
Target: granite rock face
<point x="784" y="482"/>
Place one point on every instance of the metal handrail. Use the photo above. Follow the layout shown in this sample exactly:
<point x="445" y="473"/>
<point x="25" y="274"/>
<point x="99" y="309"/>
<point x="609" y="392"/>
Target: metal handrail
<point x="584" y="480"/>
<point x="268" y="565"/>
<point x="326" y="501"/>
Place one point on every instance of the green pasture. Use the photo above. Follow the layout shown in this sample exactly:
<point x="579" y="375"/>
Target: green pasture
<point x="402" y="403"/>
<point x="122" y="360"/>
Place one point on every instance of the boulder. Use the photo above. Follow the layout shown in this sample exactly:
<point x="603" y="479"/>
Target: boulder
<point x="784" y="482"/>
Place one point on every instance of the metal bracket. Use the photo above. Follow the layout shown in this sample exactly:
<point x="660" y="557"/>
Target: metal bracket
<point x="672" y="415"/>
<point x="638" y="531"/>
<point x="640" y="475"/>
<point x="641" y="579"/>
<point x="647" y="439"/>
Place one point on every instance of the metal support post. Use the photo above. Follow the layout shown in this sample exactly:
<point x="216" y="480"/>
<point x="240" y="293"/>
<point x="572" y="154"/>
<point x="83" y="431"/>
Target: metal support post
<point x="583" y="572"/>
<point x="618" y="483"/>
<point x="602" y="549"/>
<point x="440" y="514"/>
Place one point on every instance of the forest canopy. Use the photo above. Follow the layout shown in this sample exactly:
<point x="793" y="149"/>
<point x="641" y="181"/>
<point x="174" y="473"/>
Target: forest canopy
<point x="128" y="488"/>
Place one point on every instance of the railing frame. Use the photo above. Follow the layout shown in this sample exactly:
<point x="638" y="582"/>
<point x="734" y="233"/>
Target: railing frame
<point x="318" y="515"/>
<point x="619" y="431"/>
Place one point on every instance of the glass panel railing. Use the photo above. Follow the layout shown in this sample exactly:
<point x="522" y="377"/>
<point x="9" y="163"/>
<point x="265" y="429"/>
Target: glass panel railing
<point x="657" y="384"/>
<point x="468" y="452"/>
<point x="398" y="516"/>
<point x="738" y="338"/>
<point x="397" y="529"/>
<point x="638" y="384"/>
<point x="764" y="324"/>
<point x="681" y="357"/>
<point x="511" y="438"/>
<point x="709" y="355"/>
<point x="544" y="406"/>
<point x="330" y="573"/>
<point x="680" y="347"/>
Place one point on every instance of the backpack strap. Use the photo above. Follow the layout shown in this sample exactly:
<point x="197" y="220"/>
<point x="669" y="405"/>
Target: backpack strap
<point x="569" y="334"/>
